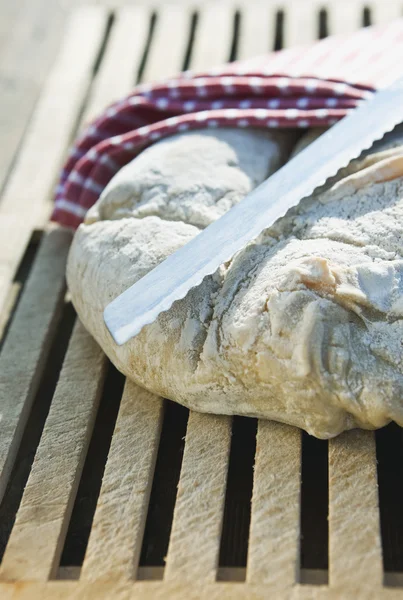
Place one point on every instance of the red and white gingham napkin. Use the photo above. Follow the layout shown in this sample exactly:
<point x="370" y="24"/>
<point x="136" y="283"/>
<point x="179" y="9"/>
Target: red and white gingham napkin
<point x="305" y="86"/>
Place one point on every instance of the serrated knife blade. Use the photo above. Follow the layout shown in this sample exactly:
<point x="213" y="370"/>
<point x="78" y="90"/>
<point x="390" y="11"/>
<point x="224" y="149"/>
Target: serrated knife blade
<point x="171" y="280"/>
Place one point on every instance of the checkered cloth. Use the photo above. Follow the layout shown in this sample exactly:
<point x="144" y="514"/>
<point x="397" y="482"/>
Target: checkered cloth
<point x="307" y="86"/>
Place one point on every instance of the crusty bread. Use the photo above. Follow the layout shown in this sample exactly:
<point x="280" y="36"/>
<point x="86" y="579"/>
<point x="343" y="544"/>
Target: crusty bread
<point x="303" y="326"/>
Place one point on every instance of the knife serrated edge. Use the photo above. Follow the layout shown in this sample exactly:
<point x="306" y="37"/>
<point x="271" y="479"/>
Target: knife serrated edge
<point x="120" y="315"/>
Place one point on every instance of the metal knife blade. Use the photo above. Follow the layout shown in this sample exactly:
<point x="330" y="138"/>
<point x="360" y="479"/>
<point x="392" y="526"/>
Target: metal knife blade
<point x="186" y="268"/>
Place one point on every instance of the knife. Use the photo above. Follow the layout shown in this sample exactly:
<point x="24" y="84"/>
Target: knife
<point x="172" y="279"/>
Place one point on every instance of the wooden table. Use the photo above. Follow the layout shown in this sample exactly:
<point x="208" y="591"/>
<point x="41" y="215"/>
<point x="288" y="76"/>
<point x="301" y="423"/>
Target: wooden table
<point x="89" y="464"/>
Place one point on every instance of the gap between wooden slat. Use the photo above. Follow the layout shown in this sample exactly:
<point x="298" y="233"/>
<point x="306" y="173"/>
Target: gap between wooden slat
<point x="314" y="505"/>
<point x="116" y="536"/>
<point x="37" y="538"/>
<point x="212" y="44"/>
<point x="389" y="454"/>
<point x="195" y="537"/>
<point x="355" y="550"/>
<point x="273" y="557"/>
<point x="24" y="353"/>
<point x="300" y="23"/>
<point x="238" y="495"/>
<point x="122" y="59"/>
<point x="25" y="202"/>
<point x="167" y="51"/>
<point x="257" y="30"/>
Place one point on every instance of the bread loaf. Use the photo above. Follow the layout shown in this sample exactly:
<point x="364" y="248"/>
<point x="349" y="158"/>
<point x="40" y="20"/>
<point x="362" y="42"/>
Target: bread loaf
<point x="303" y="326"/>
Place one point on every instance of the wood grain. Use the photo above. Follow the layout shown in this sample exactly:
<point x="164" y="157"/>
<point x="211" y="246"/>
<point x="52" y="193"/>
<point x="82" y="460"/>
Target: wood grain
<point x="386" y="11"/>
<point x="37" y="538"/>
<point x="257" y="30"/>
<point x="29" y="36"/>
<point x="158" y="590"/>
<point x="118" y="71"/>
<point x="301" y="25"/>
<point x="212" y="44"/>
<point x="115" y="544"/>
<point x="344" y="17"/>
<point x="355" y="554"/>
<point x="273" y="557"/>
<point x="10" y="14"/>
<point x="26" y="347"/>
<point x="195" y="537"/>
<point x="169" y="43"/>
<point x="116" y="536"/>
<point x="31" y="183"/>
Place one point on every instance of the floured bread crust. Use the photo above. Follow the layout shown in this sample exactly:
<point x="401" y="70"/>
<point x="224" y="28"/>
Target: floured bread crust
<point x="303" y="326"/>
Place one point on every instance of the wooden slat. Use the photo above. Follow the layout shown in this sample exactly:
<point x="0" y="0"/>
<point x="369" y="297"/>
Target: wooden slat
<point x="384" y="12"/>
<point x="7" y="592"/>
<point x="118" y="70"/>
<point x="158" y="590"/>
<point x="257" y="30"/>
<point x="273" y="556"/>
<point x="212" y="44"/>
<point x="109" y="79"/>
<point x="25" y="349"/>
<point x="9" y="303"/>
<point x="114" y="546"/>
<point x="196" y="530"/>
<point x="115" y="542"/>
<point x="10" y="14"/>
<point x="344" y="17"/>
<point x="37" y="538"/>
<point x="25" y="201"/>
<point x="354" y="528"/>
<point x="28" y="40"/>
<point x="300" y="23"/>
<point x="169" y="42"/>
<point x="115" y="77"/>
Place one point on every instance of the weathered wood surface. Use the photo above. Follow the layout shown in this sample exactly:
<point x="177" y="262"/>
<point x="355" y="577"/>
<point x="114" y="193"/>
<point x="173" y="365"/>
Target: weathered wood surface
<point x="115" y="541"/>
<point x="118" y="70"/>
<point x="72" y="590"/>
<point x="29" y="35"/>
<point x="216" y="23"/>
<point x="273" y="557"/>
<point x="196" y="529"/>
<point x="256" y="24"/>
<point x="26" y="201"/>
<point x="345" y="17"/>
<point x="355" y="554"/>
<point x="26" y="347"/>
<point x="37" y="538"/>
<point x="110" y="565"/>
<point x="301" y="24"/>
<point x="386" y="11"/>
<point x="169" y="42"/>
